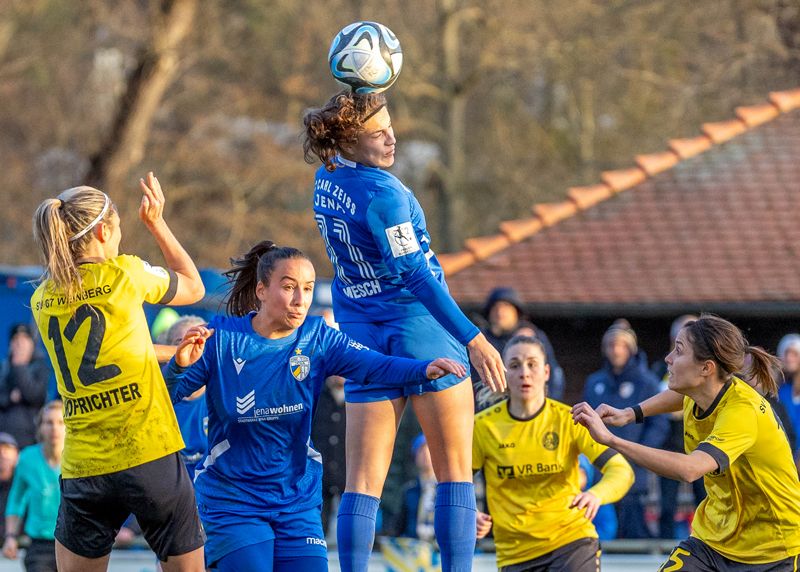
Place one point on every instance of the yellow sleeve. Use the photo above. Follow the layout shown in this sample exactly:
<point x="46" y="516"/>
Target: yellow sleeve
<point x="735" y="431"/>
<point x="157" y="285"/>
<point x="477" y="451"/>
<point x="596" y="453"/>
<point x="616" y="481"/>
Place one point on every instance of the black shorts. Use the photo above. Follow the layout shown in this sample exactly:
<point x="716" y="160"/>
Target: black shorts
<point x="693" y="555"/>
<point x="158" y="493"/>
<point x="40" y="556"/>
<point x="582" y="555"/>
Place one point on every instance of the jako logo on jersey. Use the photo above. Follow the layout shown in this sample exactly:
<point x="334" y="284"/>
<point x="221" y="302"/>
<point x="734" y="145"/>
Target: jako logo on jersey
<point x="246" y="403"/>
<point x="238" y="363"/>
<point x="299" y="365"/>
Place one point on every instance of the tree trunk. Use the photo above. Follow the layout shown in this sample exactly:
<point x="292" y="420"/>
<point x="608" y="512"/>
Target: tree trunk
<point x="158" y="63"/>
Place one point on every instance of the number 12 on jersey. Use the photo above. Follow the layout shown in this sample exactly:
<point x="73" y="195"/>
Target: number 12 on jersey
<point x="88" y="372"/>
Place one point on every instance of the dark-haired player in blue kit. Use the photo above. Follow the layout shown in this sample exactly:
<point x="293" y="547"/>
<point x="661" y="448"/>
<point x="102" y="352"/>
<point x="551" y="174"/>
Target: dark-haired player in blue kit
<point x="259" y="489"/>
<point x="389" y="293"/>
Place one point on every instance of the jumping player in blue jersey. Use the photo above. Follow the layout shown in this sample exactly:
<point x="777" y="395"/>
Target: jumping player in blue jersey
<point x="389" y="293"/>
<point x="259" y="489"/>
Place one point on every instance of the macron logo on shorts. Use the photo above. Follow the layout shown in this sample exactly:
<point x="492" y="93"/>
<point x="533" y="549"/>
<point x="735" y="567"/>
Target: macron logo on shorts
<point x="246" y="403"/>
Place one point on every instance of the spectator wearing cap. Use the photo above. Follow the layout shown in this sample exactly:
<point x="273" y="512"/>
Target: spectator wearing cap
<point x="789" y="392"/>
<point x="9" y="456"/>
<point x="624" y="381"/>
<point x="23" y="385"/>
<point x="505" y="316"/>
<point x="415" y="519"/>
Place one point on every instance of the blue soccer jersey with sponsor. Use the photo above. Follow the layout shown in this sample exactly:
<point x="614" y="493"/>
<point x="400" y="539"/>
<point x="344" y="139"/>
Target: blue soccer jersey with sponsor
<point x="375" y="236"/>
<point x="261" y="395"/>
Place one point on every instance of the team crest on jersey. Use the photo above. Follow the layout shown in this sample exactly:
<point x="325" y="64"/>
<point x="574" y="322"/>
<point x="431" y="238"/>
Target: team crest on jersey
<point x="550" y="440"/>
<point x="299" y="365"/>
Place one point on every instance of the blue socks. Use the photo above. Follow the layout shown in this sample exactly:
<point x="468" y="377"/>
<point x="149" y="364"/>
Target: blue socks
<point x="453" y="521"/>
<point x="355" y="530"/>
<point x="454" y="524"/>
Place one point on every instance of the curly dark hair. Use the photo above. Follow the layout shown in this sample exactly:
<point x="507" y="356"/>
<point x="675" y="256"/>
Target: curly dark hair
<point x="339" y="121"/>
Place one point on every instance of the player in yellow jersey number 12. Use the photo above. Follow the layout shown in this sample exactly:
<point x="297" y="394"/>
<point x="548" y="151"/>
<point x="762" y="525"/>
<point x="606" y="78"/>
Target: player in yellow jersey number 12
<point x="121" y="453"/>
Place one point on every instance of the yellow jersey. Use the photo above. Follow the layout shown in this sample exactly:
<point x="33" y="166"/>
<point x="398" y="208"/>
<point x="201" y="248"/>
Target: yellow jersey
<point x="117" y="409"/>
<point x="531" y="472"/>
<point x="752" y="511"/>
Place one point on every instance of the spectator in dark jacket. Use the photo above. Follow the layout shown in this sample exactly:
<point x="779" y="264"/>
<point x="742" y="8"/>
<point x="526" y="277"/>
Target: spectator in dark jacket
<point x="624" y="381"/>
<point x="23" y="385"/>
<point x="505" y="316"/>
<point x="327" y="434"/>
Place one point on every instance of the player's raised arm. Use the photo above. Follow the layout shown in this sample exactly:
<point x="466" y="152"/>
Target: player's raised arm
<point x="151" y="212"/>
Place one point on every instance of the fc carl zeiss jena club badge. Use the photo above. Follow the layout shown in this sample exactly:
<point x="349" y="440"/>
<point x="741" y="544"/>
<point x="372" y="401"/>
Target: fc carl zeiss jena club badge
<point x="299" y="365"/>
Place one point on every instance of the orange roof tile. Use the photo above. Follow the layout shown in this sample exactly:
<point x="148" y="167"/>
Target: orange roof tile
<point x="585" y="197"/>
<point x="484" y="246"/>
<point x="686" y="148"/>
<point x="551" y="213"/>
<point x="718" y="229"/>
<point x="654" y="163"/>
<point x="623" y="179"/>
<point x="521" y="229"/>
<point x="786" y="100"/>
<point x="723" y="130"/>
<point x="754" y="115"/>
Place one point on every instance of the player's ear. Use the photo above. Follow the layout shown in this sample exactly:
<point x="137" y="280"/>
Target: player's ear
<point x="708" y="368"/>
<point x="102" y="231"/>
<point x="261" y="291"/>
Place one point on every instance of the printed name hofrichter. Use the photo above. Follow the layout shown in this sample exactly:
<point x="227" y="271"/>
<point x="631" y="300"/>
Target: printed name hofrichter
<point x="102" y="400"/>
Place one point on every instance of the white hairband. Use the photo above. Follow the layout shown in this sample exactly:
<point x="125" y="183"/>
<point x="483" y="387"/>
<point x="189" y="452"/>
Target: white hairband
<point x="92" y="224"/>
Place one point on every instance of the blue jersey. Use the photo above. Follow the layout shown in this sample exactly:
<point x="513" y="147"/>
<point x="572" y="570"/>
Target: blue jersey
<point x="261" y="395"/>
<point x="375" y="235"/>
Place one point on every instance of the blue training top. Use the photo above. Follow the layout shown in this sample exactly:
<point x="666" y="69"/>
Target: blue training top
<point x="374" y="232"/>
<point x="261" y="396"/>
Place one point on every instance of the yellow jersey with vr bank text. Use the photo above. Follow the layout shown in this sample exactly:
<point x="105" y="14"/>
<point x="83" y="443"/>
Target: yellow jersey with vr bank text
<point x="117" y="409"/>
<point x="752" y="511"/>
<point x="531" y="472"/>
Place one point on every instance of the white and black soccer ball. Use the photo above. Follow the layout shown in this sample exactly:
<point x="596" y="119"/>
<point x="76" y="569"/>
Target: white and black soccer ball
<point x="366" y="56"/>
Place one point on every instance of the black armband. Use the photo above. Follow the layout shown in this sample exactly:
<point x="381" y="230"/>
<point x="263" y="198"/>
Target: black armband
<point x="638" y="413"/>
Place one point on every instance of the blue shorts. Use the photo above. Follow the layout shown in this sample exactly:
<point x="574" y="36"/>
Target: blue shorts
<point x="419" y="337"/>
<point x="295" y="533"/>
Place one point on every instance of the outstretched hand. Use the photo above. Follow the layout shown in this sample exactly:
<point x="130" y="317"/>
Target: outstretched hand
<point x="487" y="362"/>
<point x="151" y="211"/>
<point x="192" y="345"/>
<point x="584" y="414"/>
<point x="443" y="366"/>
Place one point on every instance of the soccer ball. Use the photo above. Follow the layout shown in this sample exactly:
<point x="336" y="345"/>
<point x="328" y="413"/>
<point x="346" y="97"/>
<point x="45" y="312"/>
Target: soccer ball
<point x="366" y="56"/>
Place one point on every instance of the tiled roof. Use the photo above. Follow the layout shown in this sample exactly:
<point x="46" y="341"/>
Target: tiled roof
<point x="713" y="220"/>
